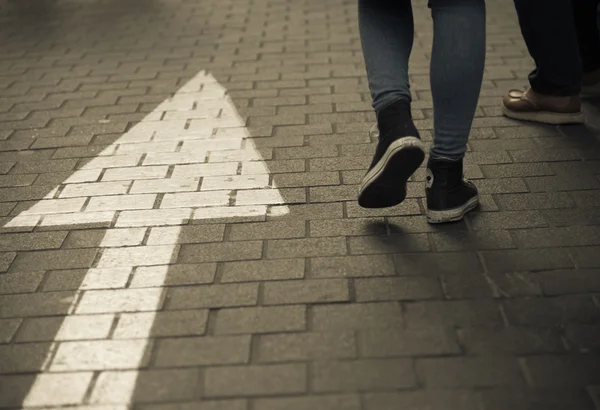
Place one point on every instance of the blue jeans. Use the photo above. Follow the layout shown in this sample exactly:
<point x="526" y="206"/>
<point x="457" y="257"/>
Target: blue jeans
<point x="457" y="63"/>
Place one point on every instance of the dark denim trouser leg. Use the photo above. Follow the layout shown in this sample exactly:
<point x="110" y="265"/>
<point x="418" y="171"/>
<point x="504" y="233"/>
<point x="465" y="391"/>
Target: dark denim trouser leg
<point x="586" y="19"/>
<point x="549" y="32"/>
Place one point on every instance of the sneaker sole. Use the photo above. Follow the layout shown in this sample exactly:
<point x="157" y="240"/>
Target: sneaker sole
<point x="384" y="186"/>
<point x="545" y="117"/>
<point x="452" y="215"/>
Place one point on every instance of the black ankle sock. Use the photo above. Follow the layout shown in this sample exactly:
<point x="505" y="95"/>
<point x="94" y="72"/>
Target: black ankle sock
<point x="396" y="121"/>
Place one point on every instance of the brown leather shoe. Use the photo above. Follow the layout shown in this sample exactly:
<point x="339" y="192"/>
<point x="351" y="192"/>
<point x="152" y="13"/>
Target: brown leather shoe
<point x="531" y="106"/>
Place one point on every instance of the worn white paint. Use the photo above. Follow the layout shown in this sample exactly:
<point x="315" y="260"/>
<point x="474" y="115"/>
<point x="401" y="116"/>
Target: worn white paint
<point x="196" y="137"/>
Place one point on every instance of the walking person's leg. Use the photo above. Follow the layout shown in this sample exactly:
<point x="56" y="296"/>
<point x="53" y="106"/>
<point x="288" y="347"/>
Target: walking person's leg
<point x="457" y="64"/>
<point x="549" y="32"/>
<point x="386" y="32"/>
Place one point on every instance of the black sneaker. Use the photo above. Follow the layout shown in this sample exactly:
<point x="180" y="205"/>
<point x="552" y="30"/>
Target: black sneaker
<point x="449" y="195"/>
<point x="396" y="158"/>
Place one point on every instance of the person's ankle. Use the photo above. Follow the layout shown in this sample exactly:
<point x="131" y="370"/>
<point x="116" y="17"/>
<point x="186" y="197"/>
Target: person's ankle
<point x="395" y="121"/>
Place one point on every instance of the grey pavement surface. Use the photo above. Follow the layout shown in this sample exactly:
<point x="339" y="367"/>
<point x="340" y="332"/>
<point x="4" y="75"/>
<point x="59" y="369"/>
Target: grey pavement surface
<point x="329" y="306"/>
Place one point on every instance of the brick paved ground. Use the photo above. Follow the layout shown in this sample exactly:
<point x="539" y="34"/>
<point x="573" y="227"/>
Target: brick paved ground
<point x="327" y="306"/>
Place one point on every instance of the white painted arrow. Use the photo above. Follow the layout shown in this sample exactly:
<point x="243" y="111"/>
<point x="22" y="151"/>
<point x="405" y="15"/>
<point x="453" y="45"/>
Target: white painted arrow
<point x="190" y="158"/>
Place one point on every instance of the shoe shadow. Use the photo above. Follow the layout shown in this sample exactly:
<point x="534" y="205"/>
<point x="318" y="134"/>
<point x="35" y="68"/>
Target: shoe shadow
<point x="410" y="234"/>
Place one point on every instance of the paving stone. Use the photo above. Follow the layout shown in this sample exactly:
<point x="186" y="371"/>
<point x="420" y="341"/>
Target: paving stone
<point x="551" y="312"/>
<point x="308" y="211"/>
<point x="332" y="193"/>
<point x="586" y="257"/>
<point x="356" y="316"/>
<point x="306" y="346"/>
<point x="309" y="247"/>
<point x="186" y="234"/>
<point x="15" y="388"/>
<point x="434" y="399"/>
<point x="340" y="164"/>
<point x="426" y="341"/>
<point x="135" y="173"/>
<point x="169" y="185"/>
<point x="561" y="282"/>
<point x="347" y="227"/>
<point x="153" y="217"/>
<point x="255" y="380"/>
<point x="136" y="256"/>
<point x="17" y="180"/>
<point x="120" y="301"/>
<point x="121" y="202"/>
<point x="35" y="304"/>
<point x="572" y="217"/>
<point x="151" y="385"/>
<point x="364" y="374"/>
<point x="85" y="239"/>
<point x="99" y="355"/>
<point x="39" y="167"/>
<point x="8" y="328"/>
<point x="307" y="179"/>
<point x="239" y="404"/>
<point x="20" y="282"/>
<point x="34" y="192"/>
<point x="542" y="200"/>
<point x="583" y="338"/>
<point x="512" y="340"/>
<point x="194" y="170"/>
<point x="304" y="152"/>
<point x="368" y="245"/>
<point x="65" y="328"/>
<point x="306" y="291"/>
<point x="222" y="252"/>
<point x="94" y="189"/>
<point x="437" y="263"/>
<point x="270" y="196"/>
<point x="352" y="266"/>
<point x="22" y="358"/>
<point x="517" y="170"/>
<point x="526" y="260"/>
<point x="123" y="237"/>
<point x="275" y="167"/>
<point x="507" y="220"/>
<point x="472" y="241"/>
<point x="264" y="270"/>
<point x="212" y="296"/>
<point x="590" y="198"/>
<point x="161" y="324"/>
<point x="459" y="313"/>
<point x="469" y="372"/>
<point x="562" y="183"/>
<point x="173" y="275"/>
<point x="260" y="320"/>
<point x="563" y="370"/>
<point x="268" y="230"/>
<point x="203" y="351"/>
<point x="404" y="288"/>
<point x="542" y="398"/>
<point x="322" y="402"/>
<point x="85" y="220"/>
